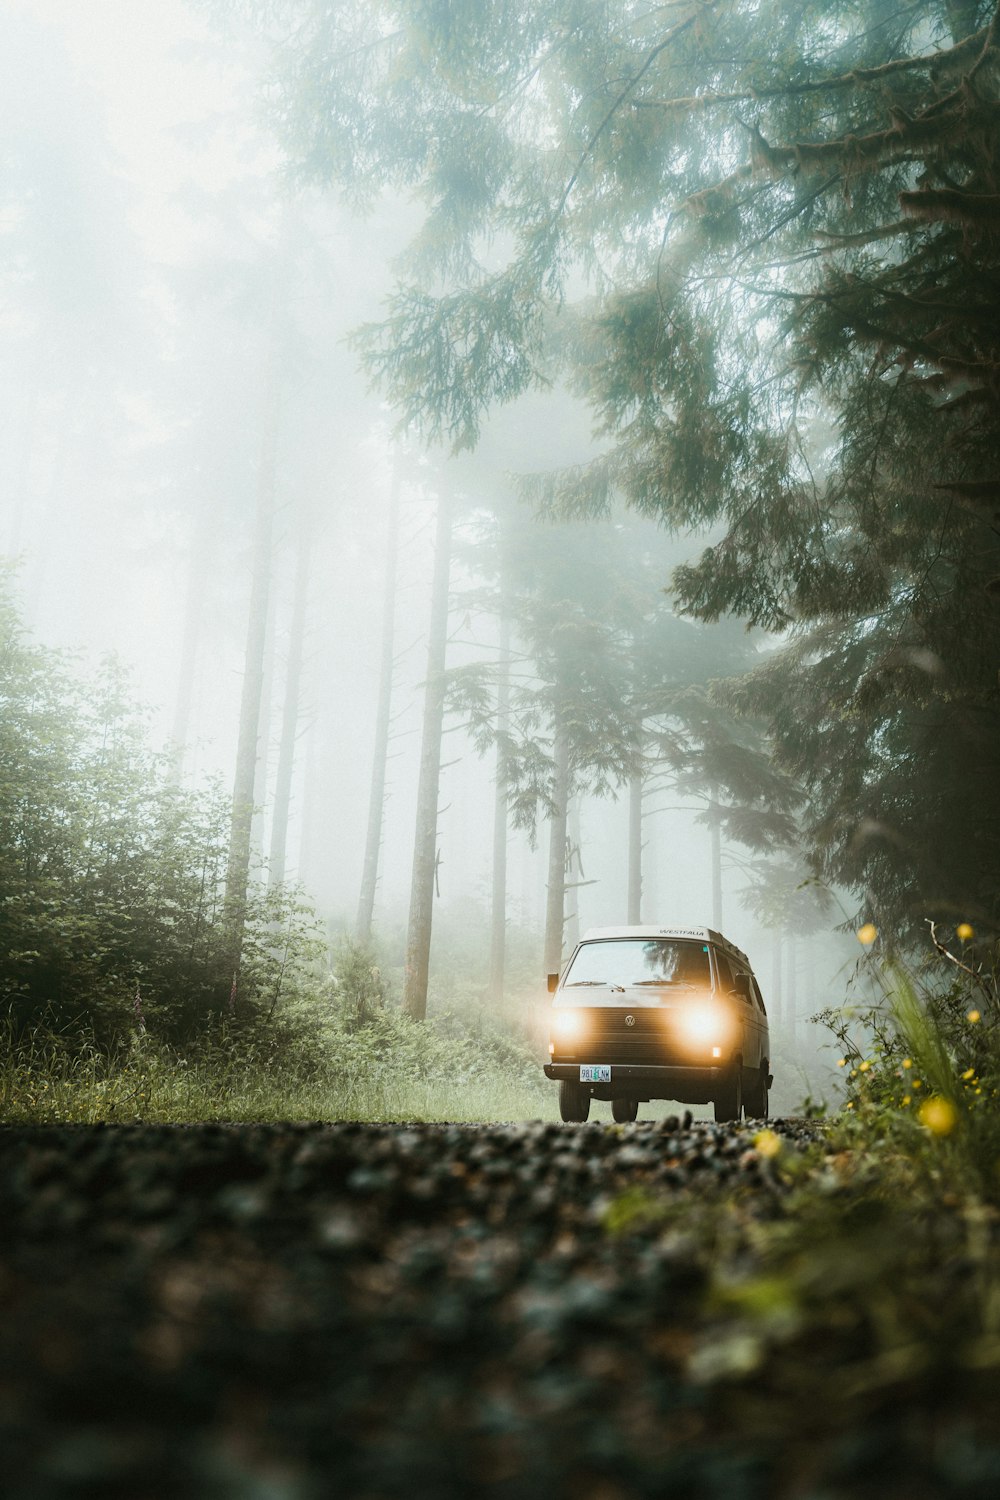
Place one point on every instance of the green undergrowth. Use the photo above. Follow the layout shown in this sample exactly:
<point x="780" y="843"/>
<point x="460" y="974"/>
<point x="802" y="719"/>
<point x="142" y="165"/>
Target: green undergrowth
<point x="845" y="1322"/>
<point x="921" y="1065"/>
<point x="387" y="1068"/>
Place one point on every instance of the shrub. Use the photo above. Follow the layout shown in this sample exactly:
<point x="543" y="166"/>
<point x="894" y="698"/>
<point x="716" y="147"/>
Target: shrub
<point x="360" y="992"/>
<point x="112" y="875"/>
<point x="921" y="1061"/>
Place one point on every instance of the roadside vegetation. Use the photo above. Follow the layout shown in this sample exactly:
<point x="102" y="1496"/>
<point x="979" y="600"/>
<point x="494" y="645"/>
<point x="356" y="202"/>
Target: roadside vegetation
<point x="125" y="991"/>
<point x="845" y="1327"/>
<point x="388" y="1069"/>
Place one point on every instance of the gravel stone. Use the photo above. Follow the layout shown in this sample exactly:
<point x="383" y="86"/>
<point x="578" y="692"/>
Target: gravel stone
<point x="295" y="1311"/>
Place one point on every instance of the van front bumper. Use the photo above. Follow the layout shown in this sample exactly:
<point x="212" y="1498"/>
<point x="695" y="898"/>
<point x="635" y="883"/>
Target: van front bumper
<point x="688" y="1085"/>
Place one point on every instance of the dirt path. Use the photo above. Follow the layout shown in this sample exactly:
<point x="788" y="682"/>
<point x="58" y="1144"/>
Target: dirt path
<point x="290" y="1312"/>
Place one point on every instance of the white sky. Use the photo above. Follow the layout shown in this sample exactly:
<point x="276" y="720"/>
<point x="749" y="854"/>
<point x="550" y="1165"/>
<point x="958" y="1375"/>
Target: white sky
<point x="146" y="63"/>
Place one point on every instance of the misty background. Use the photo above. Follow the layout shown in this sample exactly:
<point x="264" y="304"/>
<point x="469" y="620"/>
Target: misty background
<point x="171" y="302"/>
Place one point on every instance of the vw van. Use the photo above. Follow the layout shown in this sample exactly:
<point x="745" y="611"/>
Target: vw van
<point x="643" y="1013"/>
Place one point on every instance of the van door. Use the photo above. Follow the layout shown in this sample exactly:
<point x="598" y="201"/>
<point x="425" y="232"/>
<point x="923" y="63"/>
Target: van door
<point x="743" y="1006"/>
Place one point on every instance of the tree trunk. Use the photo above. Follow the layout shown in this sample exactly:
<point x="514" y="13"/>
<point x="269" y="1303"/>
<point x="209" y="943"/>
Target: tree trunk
<point x="791" y="1001"/>
<point x="290" y="711"/>
<point x="418" y="935"/>
<point x="556" y="893"/>
<point x="376" y="795"/>
<point x="314" y="847"/>
<point x="776" y="1008"/>
<point x="498" y="913"/>
<point x="654" y="897"/>
<point x="634" y="851"/>
<point x="716" y="867"/>
<point x="238" y="871"/>
<point x="574" y="873"/>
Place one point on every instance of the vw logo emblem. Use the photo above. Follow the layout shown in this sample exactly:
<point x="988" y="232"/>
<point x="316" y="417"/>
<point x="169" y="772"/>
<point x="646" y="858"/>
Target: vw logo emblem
<point x="630" y="1020"/>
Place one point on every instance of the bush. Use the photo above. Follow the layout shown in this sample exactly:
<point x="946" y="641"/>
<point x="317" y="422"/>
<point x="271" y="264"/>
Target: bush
<point x="359" y="992"/>
<point x="112" y="875"/>
<point x="921" y="1062"/>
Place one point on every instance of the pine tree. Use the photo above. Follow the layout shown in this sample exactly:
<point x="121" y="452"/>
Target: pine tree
<point x="785" y="219"/>
<point x="380" y="752"/>
<point x="422" y="883"/>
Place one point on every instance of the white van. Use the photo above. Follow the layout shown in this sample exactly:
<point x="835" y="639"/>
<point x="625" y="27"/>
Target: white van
<point x="643" y="1013"/>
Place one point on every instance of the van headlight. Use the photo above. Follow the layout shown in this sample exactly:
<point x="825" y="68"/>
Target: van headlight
<point x="703" y="1024"/>
<point x="567" y="1025"/>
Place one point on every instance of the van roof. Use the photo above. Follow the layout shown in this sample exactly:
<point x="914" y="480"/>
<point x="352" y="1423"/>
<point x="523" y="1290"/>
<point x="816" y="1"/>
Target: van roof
<point x="646" y="930"/>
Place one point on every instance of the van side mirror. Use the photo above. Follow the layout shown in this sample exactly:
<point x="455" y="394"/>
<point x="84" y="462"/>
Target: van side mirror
<point x="742" y="986"/>
<point x="553" y="983"/>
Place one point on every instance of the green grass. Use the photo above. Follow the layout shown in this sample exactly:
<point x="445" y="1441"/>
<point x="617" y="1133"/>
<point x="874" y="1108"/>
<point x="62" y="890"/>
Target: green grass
<point x="46" y="1082"/>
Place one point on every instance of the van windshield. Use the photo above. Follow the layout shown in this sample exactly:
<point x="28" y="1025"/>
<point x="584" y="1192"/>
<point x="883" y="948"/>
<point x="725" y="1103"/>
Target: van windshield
<point x="631" y="961"/>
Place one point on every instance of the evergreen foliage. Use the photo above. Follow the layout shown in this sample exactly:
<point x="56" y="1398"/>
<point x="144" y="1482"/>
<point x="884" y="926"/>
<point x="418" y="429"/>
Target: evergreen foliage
<point x="761" y="240"/>
<point x="601" y="650"/>
<point x="111" y="917"/>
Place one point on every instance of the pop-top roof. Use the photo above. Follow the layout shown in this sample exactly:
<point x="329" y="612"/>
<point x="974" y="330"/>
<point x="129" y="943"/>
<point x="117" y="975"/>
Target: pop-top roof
<point x="695" y="934"/>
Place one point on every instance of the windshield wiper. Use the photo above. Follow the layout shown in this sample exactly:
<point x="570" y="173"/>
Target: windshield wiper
<point x="601" y="984"/>
<point x="674" y="984"/>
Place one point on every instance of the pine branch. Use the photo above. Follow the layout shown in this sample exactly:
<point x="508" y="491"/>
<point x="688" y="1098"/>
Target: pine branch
<point x="952" y="206"/>
<point x="976" y="45"/>
<point x="867" y="237"/>
<point x="682" y="26"/>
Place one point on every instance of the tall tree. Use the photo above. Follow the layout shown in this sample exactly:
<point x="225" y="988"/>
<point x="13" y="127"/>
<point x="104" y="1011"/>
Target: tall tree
<point x="291" y="707"/>
<point x="248" y="745"/>
<point x="777" y="212"/>
<point x="498" y="880"/>
<point x="634" y="897"/>
<point x="425" y="848"/>
<point x="555" y="902"/>
<point x="380" y="751"/>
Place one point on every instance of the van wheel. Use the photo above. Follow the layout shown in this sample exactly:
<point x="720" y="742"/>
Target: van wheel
<point x="574" y="1102"/>
<point x="624" y="1110"/>
<point x="729" y="1099"/>
<point x="757" y="1097"/>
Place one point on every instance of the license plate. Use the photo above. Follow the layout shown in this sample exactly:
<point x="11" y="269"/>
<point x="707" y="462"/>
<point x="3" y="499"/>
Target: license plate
<point x="595" y="1072"/>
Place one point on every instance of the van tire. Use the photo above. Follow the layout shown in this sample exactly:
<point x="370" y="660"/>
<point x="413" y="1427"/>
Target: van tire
<point x="624" y="1111"/>
<point x="574" y="1102"/>
<point x="729" y="1100"/>
<point x="757" y="1097"/>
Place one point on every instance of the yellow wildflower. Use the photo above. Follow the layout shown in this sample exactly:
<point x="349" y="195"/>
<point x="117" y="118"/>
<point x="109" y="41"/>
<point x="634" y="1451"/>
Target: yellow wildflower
<point x="973" y="1016"/>
<point x="916" y="1084"/>
<point x="969" y="1073"/>
<point x="907" y="1062"/>
<point x="938" y="1115"/>
<point x="907" y="1099"/>
<point x="867" y="934"/>
<point x="865" y="1066"/>
<point x="841" y="1062"/>
<point x="766" y="1143"/>
<point x="965" y="932"/>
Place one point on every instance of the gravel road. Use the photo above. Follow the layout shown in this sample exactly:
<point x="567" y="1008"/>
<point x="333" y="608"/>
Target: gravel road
<point x="295" y="1312"/>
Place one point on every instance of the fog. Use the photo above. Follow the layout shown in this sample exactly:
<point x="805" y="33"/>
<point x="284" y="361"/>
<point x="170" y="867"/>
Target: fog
<point x="172" y="304"/>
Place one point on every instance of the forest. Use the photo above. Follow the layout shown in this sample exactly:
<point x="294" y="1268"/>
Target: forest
<point x="612" y="539"/>
<point x="475" y="472"/>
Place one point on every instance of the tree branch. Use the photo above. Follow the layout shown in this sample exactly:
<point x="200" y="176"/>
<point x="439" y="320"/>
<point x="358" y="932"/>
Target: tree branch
<point x="976" y="978"/>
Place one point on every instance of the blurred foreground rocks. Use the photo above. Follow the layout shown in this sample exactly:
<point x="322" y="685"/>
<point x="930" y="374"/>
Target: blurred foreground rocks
<point x="296" y="1312"/>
